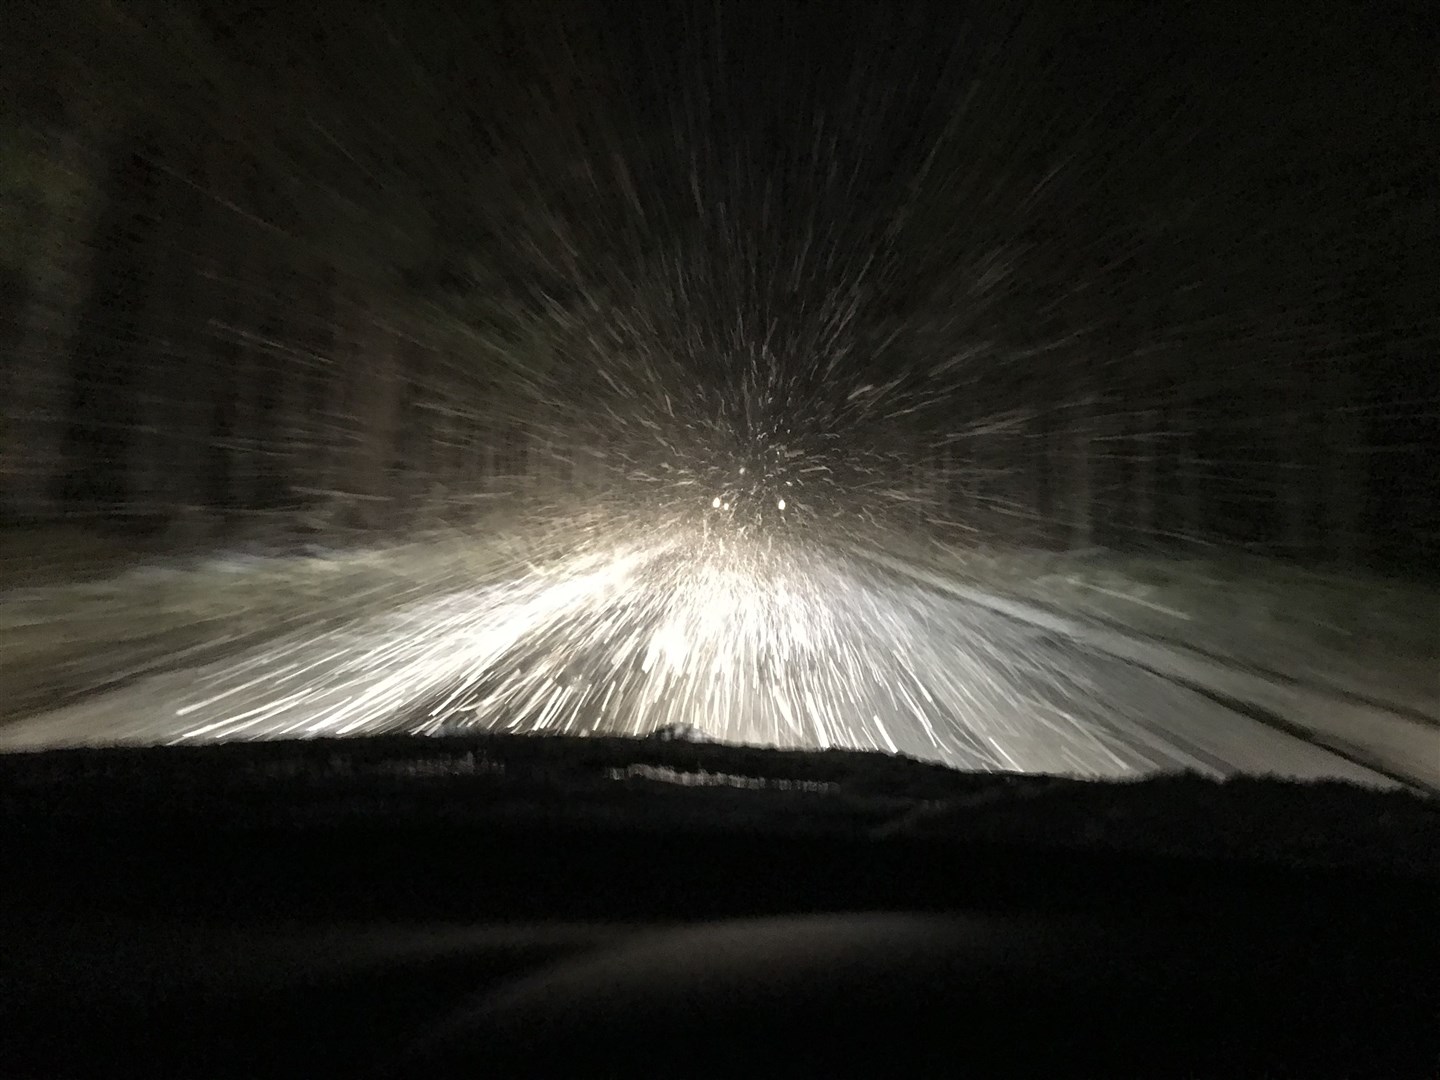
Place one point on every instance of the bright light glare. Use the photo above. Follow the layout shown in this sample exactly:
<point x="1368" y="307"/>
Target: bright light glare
<point x="748" y="639"/>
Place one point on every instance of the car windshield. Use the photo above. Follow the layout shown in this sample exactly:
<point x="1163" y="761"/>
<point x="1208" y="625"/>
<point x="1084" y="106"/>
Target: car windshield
<point x="1027" y="388"/>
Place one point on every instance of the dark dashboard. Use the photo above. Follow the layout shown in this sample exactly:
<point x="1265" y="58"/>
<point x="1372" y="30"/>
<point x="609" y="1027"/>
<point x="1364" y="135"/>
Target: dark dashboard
<point x="528" y="906"/>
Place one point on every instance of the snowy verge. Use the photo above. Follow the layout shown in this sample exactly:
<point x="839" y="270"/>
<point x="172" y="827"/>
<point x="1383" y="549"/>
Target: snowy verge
<point x="1354" y="634"/>
<point x="1397" y="739"/>
<point x="87" y="617"/>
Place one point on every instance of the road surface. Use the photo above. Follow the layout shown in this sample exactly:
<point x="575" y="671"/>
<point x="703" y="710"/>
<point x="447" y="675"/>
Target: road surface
<point x="772" y="646"/>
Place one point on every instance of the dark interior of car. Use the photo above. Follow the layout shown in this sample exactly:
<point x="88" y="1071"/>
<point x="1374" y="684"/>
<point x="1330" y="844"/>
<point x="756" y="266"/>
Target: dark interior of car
<point x="158" y="921"/>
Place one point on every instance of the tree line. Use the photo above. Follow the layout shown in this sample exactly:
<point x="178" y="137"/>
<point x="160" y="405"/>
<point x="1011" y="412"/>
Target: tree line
<point x="261" y="266"/>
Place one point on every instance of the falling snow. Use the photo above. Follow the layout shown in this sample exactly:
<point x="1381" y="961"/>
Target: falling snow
<point x="712" y="308"/>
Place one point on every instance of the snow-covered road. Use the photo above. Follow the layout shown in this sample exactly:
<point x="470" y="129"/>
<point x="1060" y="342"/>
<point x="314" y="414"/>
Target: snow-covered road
<point x="756" y="644"/>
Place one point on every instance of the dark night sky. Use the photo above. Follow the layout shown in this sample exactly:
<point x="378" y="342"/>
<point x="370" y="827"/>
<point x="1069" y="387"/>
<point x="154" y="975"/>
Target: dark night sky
<point x="982" y="209"/>
<point x="819" y="196"/>
<point x="788" y="114"/>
